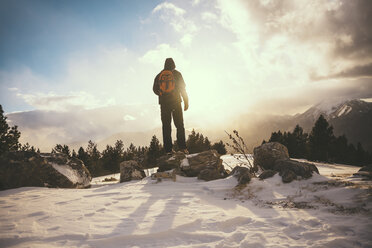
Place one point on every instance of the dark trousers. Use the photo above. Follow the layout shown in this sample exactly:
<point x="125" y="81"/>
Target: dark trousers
<point x="167" y="111"/>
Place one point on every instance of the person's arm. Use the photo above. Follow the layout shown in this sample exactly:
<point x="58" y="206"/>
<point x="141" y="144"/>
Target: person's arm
<point x="155" y="87"/>
<point x="182" y="89"/>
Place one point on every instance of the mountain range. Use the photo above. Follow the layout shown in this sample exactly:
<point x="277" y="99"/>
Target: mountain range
<point x="352" y="118"/>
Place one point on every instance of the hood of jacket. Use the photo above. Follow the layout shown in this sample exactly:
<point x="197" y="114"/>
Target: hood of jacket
<point x="169" y="64"/>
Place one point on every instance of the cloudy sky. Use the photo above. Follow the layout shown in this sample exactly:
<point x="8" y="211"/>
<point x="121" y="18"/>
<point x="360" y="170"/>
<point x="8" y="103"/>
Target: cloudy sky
<point x="71" y="71"/>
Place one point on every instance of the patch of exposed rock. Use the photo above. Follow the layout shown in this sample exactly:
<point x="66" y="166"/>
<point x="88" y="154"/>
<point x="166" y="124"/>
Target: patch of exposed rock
<point x="31" y="169"/>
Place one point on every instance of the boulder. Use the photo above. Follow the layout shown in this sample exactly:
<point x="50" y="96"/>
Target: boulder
<point x="266" y="155"/>
<point x="209" y="174"/>
<point x="131" y="170"/>
<point x="193" y="164"/>
<point x="206" y="165"/>
<point x="267" y="174"/>
<point x="288" y="176"/>
<point x="273" y="157"/>
<point x="301" y="169"/>
<point x="169" y="162"/>
<point x="27" y="169"/>
<point x="242" y="174"/>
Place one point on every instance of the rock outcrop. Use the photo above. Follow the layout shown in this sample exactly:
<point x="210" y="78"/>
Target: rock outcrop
<point x="266" y="155"/>
<point x="273" y="157"/>
<point x="56" y="170"/>
<point x="206" y="165"/>
<point x="131" y="170"/>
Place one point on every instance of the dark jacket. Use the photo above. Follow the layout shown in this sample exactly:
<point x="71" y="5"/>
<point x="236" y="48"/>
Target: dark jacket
<point x="179" y="90"/>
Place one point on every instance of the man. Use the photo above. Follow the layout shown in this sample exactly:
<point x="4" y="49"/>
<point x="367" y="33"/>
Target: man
<point x="170" y="87"/>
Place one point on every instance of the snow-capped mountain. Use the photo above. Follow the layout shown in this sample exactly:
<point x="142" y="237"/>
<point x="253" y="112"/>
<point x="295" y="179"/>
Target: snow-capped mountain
<point x="336" y="109"/>
<point x="352" y="118"/>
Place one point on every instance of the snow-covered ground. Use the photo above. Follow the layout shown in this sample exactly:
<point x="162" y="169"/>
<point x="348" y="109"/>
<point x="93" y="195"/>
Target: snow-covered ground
<point x="328" y="210"/>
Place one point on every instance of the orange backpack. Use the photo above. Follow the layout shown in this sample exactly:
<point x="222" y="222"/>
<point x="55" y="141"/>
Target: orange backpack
<point x="166" y="82"/>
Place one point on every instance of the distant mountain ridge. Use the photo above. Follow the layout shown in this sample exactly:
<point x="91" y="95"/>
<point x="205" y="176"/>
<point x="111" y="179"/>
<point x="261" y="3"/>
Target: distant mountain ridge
<point x="352" y="118"/>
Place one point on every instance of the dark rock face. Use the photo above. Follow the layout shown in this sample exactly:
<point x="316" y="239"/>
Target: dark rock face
<point x="206" y="165"/>
<point x="242" y="174"/>
<point x="267" y="174"/>
<point x="27" y="169"/>
<point x="131" y="170"/>
<point x="266" y="154"/>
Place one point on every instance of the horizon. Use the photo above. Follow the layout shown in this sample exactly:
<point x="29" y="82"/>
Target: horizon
<point x="83" y="70"/>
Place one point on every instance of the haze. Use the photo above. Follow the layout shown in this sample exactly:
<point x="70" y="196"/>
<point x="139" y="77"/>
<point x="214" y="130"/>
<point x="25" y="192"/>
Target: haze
<point x="71" y="71"/>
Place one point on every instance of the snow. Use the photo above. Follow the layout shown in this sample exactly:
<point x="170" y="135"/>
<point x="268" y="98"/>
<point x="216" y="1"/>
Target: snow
<point x="70" y="173"/>
<point x="185" y="163"/>
<point x="332" y="209"/>
<point x="345" y="109"/>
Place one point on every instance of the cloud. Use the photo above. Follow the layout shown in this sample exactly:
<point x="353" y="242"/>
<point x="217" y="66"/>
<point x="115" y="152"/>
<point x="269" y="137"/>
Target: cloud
<point x="359" y="71"/>
<point x="170" y="8"/>
<point x="45" y="128"/>
<point x="176" y="17"/>
<point x="157" y="56"/>
<point x="54" y="102"/>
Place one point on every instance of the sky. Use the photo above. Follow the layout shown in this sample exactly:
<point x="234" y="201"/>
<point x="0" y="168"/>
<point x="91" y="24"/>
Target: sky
<point x="71" y="71"/>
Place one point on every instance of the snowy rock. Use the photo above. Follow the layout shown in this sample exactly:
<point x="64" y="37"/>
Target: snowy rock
<point x="26" y="169"/>
<point x="209" y="174"/>
<point x="267" y="154"/>
<point x="242" y="174"/>
<point x="131" y="170"/>
<point x="207" y="160"/>
<point x="273" y="157"/>
<point x="267" y="174"/>
<point x="169" y="162"/>
<point x="206" y="165"/>
<point x="289" y="169"/>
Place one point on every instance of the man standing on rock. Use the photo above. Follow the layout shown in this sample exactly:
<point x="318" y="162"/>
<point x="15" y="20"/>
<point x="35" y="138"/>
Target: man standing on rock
<point x="169" y="86"/>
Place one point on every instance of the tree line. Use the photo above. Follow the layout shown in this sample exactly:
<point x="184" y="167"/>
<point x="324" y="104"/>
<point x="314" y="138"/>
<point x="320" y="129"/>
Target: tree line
<point x="321" y="145"/>
<point x="107" y="161"/>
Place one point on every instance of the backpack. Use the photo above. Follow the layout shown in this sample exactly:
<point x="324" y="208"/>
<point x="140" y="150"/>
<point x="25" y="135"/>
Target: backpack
<point x="166" y="82"/>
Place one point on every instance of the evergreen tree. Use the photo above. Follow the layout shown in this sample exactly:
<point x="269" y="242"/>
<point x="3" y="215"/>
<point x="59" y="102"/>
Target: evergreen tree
<point x="320" y="140"/>
<point x="112" y="157"/>
<point x="197" y="143"/>
<point x="9" y="136"/>
<point x="155" y="150"/>
<point x="93" y="156"/>
<point x="219" y="147"/>
<point x="62" y="149"/>
<point x="298" y="142"/>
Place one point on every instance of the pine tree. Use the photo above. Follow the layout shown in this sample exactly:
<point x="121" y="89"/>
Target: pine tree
<point x="62" y="149"/>
<point x="320" y="140"/>
<point x="9" y="136"/>
<point x="219" y="147"/>
<point x="155" y="150"/>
